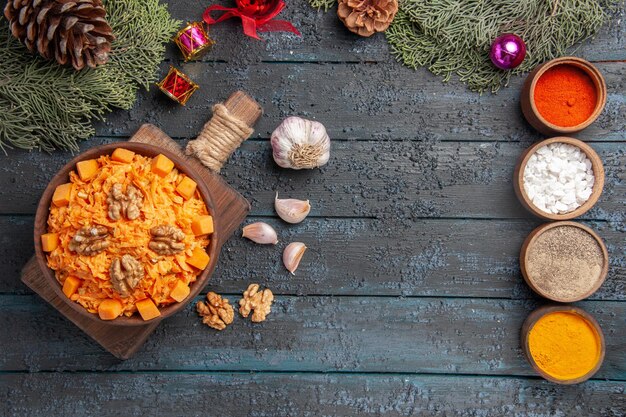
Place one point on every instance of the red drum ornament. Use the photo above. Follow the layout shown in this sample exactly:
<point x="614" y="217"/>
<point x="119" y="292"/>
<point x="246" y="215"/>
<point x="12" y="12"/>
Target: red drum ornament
<point x="193" y="40"/>
<point x="256" y="16"/>
<point x="177" y="86"/>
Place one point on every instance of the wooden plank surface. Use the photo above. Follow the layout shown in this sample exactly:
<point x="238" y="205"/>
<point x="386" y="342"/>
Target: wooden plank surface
<point x="359" y="101"/>
<point x="320" y="334"/>
<point x="409" y="300"/>
<point x="228" y="394"/>
<point x="394" y="179"/>
<point x="367" y="256"/>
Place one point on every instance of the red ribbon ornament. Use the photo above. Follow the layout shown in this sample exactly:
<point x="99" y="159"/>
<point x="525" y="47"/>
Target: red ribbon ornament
<point x="256" y="15"/>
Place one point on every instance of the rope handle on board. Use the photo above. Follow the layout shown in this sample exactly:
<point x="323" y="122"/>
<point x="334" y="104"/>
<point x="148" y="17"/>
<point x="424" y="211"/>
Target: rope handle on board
<point x="229" y="127"/>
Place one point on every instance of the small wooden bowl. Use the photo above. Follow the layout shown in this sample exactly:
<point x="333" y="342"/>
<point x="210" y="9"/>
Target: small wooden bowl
<point x="596" y="165"/>
<point x="529" y="323"/>
<point x="532" y="238"/>
<point x="62" y="177"/>
<point x="530" y="111"/>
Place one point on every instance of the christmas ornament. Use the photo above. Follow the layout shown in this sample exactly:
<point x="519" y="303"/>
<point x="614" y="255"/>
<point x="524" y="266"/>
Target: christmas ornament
<point x="256" y="16"/>
<point x="177" y="86"/>
<point x="193" y="40"/>
<point x="507" y="51"/>
<point x="366" y="17"/>
<point x="74" y="32"/>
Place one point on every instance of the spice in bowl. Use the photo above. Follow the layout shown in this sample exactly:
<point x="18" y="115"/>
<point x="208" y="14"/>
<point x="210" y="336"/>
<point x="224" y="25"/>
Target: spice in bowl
<point x="564" y="345"/>
<point x="564" y="261"/>
<point x="565" y="95"/>
<point x="558" y="178"/>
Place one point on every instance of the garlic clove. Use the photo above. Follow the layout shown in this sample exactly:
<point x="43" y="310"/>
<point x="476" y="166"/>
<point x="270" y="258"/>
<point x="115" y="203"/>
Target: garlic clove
<point x="292" y="256"/>
<point x="261" y="233"/>
<point x="291" y="210"/>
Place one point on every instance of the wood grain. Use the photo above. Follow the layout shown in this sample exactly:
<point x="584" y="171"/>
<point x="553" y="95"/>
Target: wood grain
<point x="395" y="179"/>
<point x="302" y="394"/>
<point x="244" y="108"/>
<point x="311" y="334"/>
<point x="360" y="102"/>
<point x="457" y="258"/>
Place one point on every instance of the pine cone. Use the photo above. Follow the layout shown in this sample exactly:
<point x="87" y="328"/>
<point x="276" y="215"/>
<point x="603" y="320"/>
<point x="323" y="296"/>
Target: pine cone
<point x="366" y="17"/>
<point x="70" y="31"/>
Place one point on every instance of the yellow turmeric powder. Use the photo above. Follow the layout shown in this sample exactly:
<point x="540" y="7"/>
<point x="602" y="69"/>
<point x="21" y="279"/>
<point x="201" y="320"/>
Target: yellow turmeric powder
<point x="564" y="345"/>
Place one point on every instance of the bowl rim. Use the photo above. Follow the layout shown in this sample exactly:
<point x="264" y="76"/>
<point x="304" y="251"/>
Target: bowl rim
<point x="589" y="69"/>
<point x="598" y="173"/>
<point x="532" y="238"/>
<point x="62" y="176"/>
<point x="544" y="310"/>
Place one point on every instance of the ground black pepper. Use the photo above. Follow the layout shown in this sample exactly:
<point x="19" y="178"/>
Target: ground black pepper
<point x="565" y="261"/>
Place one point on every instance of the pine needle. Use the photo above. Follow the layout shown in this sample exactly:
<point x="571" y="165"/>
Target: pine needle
<point x="453" y="36"/>
<point x="45" y="106"/>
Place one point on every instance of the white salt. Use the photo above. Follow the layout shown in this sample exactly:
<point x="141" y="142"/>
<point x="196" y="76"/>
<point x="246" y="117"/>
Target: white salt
<point x="558" y="178"/>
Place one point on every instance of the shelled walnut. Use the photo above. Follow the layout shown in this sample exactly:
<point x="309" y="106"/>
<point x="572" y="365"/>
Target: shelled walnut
<point x="167" y="240"/>
<point x="260" y="302"/>
<point x="216" y="312"/>
<point x="126" y="204"/>
<point x="126" y="272"/>
<point x="90" y="240"/>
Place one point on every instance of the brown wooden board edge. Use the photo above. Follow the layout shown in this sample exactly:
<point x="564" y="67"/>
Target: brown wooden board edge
<point x="125" y="342"/>
<point x="121" y="342"/>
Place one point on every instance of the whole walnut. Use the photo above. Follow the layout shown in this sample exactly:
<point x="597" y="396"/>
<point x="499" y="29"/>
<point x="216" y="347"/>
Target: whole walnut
<point x="366" y="17"/>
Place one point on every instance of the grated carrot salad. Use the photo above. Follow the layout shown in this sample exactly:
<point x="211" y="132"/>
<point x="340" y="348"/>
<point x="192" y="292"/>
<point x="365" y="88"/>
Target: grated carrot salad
<point x="88" y="206"/>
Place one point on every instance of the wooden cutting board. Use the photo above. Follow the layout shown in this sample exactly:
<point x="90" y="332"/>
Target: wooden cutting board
<point x="231" y="208"/>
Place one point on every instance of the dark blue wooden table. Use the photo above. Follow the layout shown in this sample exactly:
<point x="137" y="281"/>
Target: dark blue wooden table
<point x="409" y="300"/>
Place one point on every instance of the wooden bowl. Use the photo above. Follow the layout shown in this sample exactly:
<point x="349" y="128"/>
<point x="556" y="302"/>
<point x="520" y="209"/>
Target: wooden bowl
<point x="62" y="177"/>
<point x="547" y="309"/>
<point x="532" y="238"/>
<point x="530" y="111"/>
<point x="596" y="165"/>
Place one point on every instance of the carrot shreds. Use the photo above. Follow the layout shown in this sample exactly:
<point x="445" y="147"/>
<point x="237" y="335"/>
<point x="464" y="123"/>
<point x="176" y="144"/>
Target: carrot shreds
<point x="88" y="206"/>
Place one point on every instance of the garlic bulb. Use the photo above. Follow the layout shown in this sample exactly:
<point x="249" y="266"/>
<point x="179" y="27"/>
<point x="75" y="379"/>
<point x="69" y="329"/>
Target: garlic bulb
<point x="300" y="144"/>
<point x="292" y="256"/>
<point x="291" y="210"/>
<point x="260" y="232"/>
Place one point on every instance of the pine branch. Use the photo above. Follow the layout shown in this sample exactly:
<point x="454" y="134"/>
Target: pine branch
<point x="322" y="4"/>
<point x="45" y="106"/>
<point x="453" y="36"/>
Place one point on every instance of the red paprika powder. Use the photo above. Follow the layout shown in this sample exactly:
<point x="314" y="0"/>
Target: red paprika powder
<point x="565" y="95"/>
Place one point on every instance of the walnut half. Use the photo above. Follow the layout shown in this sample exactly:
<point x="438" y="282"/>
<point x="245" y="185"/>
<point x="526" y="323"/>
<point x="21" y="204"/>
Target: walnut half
<point x="90" y="240"/>
<point x="124" y="204"/>
<point x="167" y="240"/>
<point x="126" y="272"/>
<point x="216" y="312"/>
<point x="260" y="302"/>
